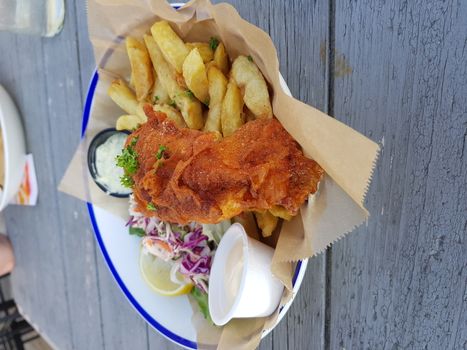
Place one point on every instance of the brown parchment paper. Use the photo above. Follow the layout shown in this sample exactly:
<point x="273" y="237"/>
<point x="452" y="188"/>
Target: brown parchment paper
<point x="347" y="156"/>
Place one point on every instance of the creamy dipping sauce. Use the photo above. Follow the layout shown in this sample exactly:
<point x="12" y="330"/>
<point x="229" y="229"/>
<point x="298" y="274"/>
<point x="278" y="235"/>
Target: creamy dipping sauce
<point x="108" y="173"/>
<point x="233" y="274"/>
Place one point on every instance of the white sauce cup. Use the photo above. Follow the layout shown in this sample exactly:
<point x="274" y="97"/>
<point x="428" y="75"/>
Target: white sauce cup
<point x="241" y="283"/>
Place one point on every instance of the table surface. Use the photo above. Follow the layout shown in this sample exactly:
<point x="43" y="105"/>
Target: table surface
<point x="394" y="70"/>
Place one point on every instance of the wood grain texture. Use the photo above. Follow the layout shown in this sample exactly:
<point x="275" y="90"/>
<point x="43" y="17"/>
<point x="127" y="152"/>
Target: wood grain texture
<point x="39" y="279"/>
<point x="400" y="281"/>
<point x="65" y="284"/>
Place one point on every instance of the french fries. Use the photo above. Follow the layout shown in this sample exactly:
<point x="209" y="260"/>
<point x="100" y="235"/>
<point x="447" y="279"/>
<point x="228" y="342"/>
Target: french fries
<point x="165" y="73"/>
<point x="179" y="78"/>
<point x="173" y="48"/>
<point x="266" y="222"/>
<point x="232" y="107"/>
<point x="121" y="94"/>
<point x="189" y="107"/>
<point x="217" y="88"/>
<point x="141" y="69"/>
<point x="195" y="75"/>
<point x="249" y="78"/>
<point x="171" y="113"/>
<point x="191" y="110"/>
<point x="280" y="212"/>
<point x="221" y="59"/>
<point x="129" y="122"/>
<point x="158" y="94"/>
<point x="204" y="50"/>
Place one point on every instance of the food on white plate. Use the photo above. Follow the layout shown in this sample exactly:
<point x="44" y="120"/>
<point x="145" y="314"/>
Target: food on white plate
<point x="188" y="175"/>
<point x="189" y="185"/>
<point x="176" y="259"/>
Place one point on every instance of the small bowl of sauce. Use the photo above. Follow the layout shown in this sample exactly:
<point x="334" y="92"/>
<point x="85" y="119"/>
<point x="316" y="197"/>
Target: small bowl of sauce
<point x="102" y="151"/>
<point x="241" y="284"/>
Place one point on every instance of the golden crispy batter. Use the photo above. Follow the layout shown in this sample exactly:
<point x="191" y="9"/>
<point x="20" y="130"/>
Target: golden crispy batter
<point x="203" y="179"/>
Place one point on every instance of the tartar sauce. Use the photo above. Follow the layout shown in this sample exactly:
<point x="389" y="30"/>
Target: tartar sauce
<point x="233" y="274"/>
<point x="108" y="173"/>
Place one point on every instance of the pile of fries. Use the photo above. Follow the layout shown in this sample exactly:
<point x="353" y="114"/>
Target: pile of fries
<point x="196" y="86"/>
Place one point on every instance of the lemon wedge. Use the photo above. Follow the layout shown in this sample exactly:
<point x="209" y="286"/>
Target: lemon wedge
<point x="156" y="273"/>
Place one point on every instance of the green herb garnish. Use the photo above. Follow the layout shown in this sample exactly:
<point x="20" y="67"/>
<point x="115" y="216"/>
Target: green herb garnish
<point x="250" y="58"/>
<point x="213" y="43"/>
<point x="127" y="181"/>
<point x="206" y="103"/>
<point x="189" y="93"/>
<point x="136" y="231"/>
<point x="128" y="160"/>
<point x="151" y="206"/>
<point x="172" y="104"/>
<point x="156" y="98"/>
<point x="160" y="151"/>
<point x="202" y="299"/>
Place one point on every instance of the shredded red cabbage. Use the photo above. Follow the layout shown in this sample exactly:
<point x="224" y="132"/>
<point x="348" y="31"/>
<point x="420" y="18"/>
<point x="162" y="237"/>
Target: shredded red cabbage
<point x="186" y="245"/>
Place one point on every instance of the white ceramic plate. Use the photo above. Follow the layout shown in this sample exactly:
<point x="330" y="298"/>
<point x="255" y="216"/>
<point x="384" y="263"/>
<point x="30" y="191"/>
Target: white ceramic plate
<point x="14" y="148"/>
<point x="170" y="316"/>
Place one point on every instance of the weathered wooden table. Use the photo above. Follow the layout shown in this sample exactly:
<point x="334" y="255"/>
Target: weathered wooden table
<point x="394" y="70"/>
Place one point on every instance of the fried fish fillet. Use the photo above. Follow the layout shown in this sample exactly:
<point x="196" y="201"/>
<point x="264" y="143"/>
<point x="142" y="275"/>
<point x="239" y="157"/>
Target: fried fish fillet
<point x="187" y="175"/>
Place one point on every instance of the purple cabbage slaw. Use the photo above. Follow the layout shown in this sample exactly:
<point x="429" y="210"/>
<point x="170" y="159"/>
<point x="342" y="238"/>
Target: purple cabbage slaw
<point x="185" y="245"/>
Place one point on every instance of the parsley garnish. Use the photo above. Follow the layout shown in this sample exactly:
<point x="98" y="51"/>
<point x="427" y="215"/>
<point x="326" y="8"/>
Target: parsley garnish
<point x="213" y="43"/>
<point x="156" y="98"/>
<point x="151" y="206"/>
<point x="127" y="181"/>
<point x="250" y="58"/>
<point x="206" y="103"/>
<point x="136" y="231"/>
<point x="160" y="151"/>
<point x="172" y="104"/>
<point x="189" y="93"/>
<point x="128" y="160"/>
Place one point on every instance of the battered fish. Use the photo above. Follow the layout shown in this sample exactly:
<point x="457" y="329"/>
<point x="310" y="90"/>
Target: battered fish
<point x="187" y="175"/>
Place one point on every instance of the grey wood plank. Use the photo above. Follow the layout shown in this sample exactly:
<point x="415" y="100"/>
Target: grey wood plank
<point x="123" y="328"/>
<point x="38" y="281"/>
<point x="400" y="281"/>
<point x="65" y="110"/>
<point x="60" y="88"/>
<point x="158" y="342"/>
